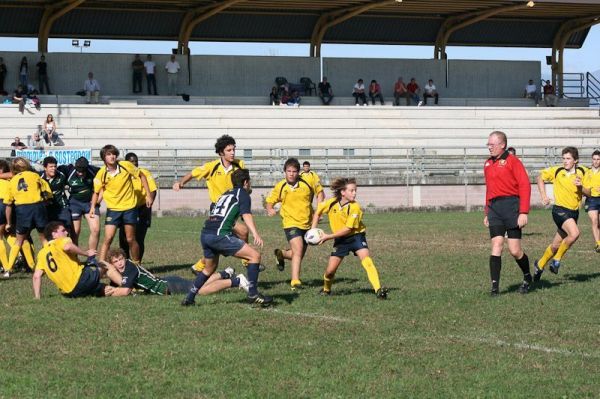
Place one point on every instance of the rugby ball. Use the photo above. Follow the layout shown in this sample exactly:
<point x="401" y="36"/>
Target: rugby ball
<point x="313" y="236"/>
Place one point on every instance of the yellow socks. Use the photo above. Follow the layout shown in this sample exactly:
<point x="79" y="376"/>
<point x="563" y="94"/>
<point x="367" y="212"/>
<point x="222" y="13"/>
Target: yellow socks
<point x="546" y="257"/>
<point x="27" y="249"/>
<point x="14" y="252"/>
<point x="562" y="250"/>
<point x="372" y="274"/>
<point x="295" y="284"/>
<point x="327" y="282"/>
<point x="199" y="266"/>
<point x="3" y="255"/>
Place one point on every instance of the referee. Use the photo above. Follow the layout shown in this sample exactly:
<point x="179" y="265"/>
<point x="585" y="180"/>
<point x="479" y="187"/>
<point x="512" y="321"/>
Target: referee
<point x="506" y="206"/>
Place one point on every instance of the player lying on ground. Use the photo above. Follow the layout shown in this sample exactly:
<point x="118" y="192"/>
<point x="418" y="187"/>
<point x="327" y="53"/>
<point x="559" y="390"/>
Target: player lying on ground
<point x="349" y="234"/>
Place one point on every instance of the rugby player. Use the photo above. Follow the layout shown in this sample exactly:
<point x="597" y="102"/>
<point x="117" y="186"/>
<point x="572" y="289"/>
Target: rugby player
<point x="591" y="189"/>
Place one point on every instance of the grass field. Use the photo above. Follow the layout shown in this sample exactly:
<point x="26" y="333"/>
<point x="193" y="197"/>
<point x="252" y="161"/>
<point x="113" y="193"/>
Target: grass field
<point x="439" y="335"/>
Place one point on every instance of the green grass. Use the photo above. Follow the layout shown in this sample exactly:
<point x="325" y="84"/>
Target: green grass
<point x="439" y="334"/>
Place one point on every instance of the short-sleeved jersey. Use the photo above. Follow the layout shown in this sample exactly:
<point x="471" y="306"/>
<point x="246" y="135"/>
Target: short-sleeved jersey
<point x="4" y="184"/>
<point x="62" y="268"/>
<point x="296" y="202"/>
<point x="140" y="192"/>
<point x="138" y="277"/>
<point x="119" y="193"/>
<point x="310" y="175"/>
<point x="57" y="184"/>
<point x="218" y="179"/>
<point x="592" y="181"/>
<point x="348" y="215"/>
<point x="27" y="188"/>
<point x="226" y="211"/>
<point x="81" y="188"/>
<point x="566" y="193"/>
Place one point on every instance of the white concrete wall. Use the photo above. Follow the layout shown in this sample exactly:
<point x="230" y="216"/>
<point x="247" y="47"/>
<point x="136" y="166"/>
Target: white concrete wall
<point x="254" y="75"/>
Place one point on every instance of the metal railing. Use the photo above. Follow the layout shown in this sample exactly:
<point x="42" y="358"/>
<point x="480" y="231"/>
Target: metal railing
<point x="593" y="88"/>
<point x="574" y="85"/>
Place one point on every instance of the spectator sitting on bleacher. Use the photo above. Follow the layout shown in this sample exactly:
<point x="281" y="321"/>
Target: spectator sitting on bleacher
<point x="295" y="99"/>
<point x="92" y="89"/>
<point x="531" y="91"/>
<point x="17" y="145"/>
<point x="50" y="133"/>
<point x="325" y="92"/>
<point x="36" y="142"/>
<point x="274" y="96"/>
<point x="550" y="98"/>
<point x="19" y="97"/>
<point x="358" y="92"/>
<point x="285" y="97"/>
<point x="400" y="90"/>
<point x="413" y="91"/>
<point x="430" y="91"/>
<point x="375" y="92"/>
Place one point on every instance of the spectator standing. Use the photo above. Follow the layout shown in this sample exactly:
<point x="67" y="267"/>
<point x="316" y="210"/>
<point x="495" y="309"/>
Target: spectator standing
<point x="24" y="72"/>
<point x="17" y="145"/>
<point x="274" y="96"/>
<point x="430" y="91"/>
<point x="172" y="67"/>
<point x="42" y="71"/>
<point x="413" y="91"/>
<point x="550" y="98"/>
<point x="92" y="89"/>
<point x="400" y="90"/>
<point x="138" y="71"/>
<point x="325" y="92"/>
<point x="3" y="72"/>
<point x="150" y="68"/>
<point x="375" y="92"/>
<point x="36" y="142"/>
<point x="531" y="91"/>
<point x="359" y="93"/>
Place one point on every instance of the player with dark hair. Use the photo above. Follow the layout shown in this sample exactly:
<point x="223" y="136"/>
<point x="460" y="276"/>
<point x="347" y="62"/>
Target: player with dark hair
<point x="114" y="181"/>
<point x="58" y="207"/>
<point x="348" y="233"/>
<point x="144" y="212"/>
<point x="58" y="259"/>
<point x="295" y="195"/>
<point x="591" y="189"/>
<point x="4" y="184"/>
<point x="217" y="174"/>
<point x="127" y="276"/>
<point x="217" y="238"/>
<point x="27" y="192"/>
<point x="507" y="201"/>
<point x="568" y="185"/>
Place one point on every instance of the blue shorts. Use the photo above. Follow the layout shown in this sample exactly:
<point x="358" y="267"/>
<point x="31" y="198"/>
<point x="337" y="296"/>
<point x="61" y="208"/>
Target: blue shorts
<point x="344" y="245"/>
<point x="60" y="215"/>
<point x="2" y="212"/>
<point x="118" y="218"/>
<point x="214" y="245"/>
<point x="31" y="216"/>
<point x="293" y="232"/>
<point x="88" y="285"/>
<point x="560" y="215"/>
<point x="80" y="208"/>
<point x="592" y="204"/>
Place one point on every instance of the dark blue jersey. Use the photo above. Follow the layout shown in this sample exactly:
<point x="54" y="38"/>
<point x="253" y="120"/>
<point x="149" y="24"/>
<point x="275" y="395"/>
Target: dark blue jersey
<point x="224" y="213"/>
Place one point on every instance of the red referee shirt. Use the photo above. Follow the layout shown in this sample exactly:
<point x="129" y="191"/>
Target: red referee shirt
<point x="506" y="176"/>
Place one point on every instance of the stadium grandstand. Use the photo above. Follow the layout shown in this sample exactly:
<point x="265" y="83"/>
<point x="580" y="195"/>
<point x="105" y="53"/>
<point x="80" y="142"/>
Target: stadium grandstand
<point x="421" y="156"/>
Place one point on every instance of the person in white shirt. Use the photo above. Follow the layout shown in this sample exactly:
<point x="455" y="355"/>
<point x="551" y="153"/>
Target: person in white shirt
<point x="150" y="69"/>
<point x="531" y="91"/>
<point x="430" y="91"/>
<point x="359" y="92"/>
<point x="91" y="88"/>
<point x="172" y="67"/>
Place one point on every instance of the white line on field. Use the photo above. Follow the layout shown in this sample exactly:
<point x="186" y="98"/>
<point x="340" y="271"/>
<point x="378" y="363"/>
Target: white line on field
<point x="311" y="315"/>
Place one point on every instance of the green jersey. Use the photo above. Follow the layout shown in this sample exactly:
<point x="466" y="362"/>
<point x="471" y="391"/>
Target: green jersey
<point x="57" y="184"/>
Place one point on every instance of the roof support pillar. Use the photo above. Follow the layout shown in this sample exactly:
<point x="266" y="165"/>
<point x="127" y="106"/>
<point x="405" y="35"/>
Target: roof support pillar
<point x="457" y="22"/>
<point x="336" y="17"/>
<point x="194" y="17"/>
<point x="561" y="38"/>
<point x="51" y="14"/>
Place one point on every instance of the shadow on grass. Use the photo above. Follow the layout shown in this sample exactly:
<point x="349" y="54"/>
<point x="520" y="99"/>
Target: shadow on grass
<point x="542" y="284"/>
<point x="582" y="277"/>
<point x="169" y="268"/>
<point x="306" y="284"/>
<point x="532" y="234"/>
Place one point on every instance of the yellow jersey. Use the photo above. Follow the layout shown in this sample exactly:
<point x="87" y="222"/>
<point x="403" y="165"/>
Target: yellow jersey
<point x="119" y="193"/>
<point x="27" y="188"/>
<point x="62" y="268"/>
<point x="348" y="215"/>
<point x="566" y="193"/>
<point x="592" y="181"/>
<point x="218" y="178"/>
<point x="296" y="202"/>
<point x="4" y="184"/>
<point x="140" y="191"/>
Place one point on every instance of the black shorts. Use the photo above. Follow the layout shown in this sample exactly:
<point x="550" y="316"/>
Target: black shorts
<point x="344" y="245"/>
<point x="60" y="215"/>
<point x="31" y="216"/>
<point x="88" y="285"/>
<point x="2" y="212"/>
<point x="560" y="215"/>
<point x="592" y="204"/>
<point x="144" y="216"/>
<point x="119" y="218"/>
<point x="80" y="208"/>
<point x="503" y="216"/>
<point x="293" y="232"/>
